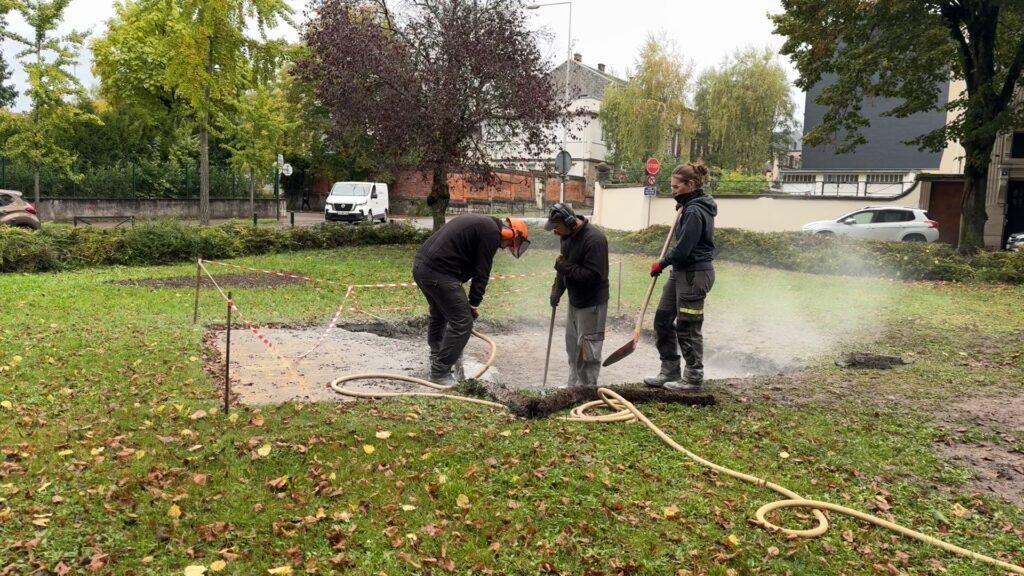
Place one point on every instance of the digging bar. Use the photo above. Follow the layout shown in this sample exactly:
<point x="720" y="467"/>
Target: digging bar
<point x="628" y="347"/>
<point x="547" y="355"/>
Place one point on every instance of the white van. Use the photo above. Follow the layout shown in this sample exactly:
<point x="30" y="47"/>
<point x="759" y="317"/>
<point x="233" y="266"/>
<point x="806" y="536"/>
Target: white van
<point x="357" y="202"/>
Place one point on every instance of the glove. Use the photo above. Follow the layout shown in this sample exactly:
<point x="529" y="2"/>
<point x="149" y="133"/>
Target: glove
<point x="655" y="269"/>
<point x="475" y="311"/>
<point x="560" y="264"/>
<point x="555" y="298"/>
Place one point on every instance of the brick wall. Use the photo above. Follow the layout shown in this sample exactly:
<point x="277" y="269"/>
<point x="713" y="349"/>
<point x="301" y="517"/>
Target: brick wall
<point x="518" y="186"/>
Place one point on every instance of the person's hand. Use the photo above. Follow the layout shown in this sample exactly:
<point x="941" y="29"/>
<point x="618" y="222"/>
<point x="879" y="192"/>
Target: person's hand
<point x="560" y="263"/>
<point x="555" y="298"/>
<point x="475" y="311"/>
<point x="656" y="269"/>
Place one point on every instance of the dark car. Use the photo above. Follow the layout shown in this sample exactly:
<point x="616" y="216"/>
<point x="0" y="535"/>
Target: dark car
<point x="16" y="212"/>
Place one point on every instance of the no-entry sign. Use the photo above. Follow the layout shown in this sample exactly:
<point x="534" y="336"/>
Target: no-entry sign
<point x="653" y="166"/>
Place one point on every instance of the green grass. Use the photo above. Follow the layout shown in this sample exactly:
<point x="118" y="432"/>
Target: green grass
<point x="102" y="439"/>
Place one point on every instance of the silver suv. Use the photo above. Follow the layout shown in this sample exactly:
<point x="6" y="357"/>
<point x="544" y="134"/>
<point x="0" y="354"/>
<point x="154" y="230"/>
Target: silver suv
<point x="16" y="212"/>
<point x="881" y="223"/>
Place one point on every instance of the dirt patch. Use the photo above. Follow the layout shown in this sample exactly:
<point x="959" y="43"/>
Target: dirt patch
<point x="234" y="280"/>
<point x="868" y="360"/>
<point x="997" y="470"/>
<point x="999" y="414"/>
<point x="261" y="376"/>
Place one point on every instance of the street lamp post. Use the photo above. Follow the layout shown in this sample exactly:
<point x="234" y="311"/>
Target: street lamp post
<point x="568" y="63"/>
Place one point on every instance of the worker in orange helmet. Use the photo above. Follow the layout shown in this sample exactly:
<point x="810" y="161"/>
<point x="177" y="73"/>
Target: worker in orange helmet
<point x="462" y="250"/>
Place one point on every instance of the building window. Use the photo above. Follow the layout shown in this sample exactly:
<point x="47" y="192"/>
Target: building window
<point x="1017" y="146"/>
<point x="885" y="178"/>
<point x="841" y="178"/>
<point x="798" y="178"/>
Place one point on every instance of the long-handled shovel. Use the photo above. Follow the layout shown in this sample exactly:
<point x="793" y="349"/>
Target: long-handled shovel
<point x="547" y="355"/>
<point x="628" y="347"/>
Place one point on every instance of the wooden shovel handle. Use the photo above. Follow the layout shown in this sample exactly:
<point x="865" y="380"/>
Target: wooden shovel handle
<point x="654" y="279"/>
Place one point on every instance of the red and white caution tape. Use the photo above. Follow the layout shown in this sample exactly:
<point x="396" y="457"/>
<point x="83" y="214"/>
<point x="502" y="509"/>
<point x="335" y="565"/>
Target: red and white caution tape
<point x="331" y="326"/>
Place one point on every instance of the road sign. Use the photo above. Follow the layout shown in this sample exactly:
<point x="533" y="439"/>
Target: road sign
<point x="563" y="163"/>
<point x="280" y="159"/>
<point x="650" y="190"/>
<point x="652" y="180"/>
<point x="653" y="166"/>
<point x="286" y="169"/>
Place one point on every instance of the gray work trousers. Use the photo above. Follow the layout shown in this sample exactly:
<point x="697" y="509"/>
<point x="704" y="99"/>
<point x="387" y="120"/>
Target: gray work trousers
<point x="682" y="303"/>
<point x="584" y="338"/>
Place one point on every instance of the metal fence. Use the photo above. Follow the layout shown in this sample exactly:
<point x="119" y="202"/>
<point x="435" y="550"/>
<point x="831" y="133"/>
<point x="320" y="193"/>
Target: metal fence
<point x="126" y="180"/>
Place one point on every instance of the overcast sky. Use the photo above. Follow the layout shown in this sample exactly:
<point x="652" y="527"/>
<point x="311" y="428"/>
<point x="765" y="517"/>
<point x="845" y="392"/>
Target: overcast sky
<point x="609" y="32"/>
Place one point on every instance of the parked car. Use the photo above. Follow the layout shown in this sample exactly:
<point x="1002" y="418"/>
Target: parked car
<point x="16" y="212"/>
<point x="357" y="202"/>
<point x="881" y="223"/>
<point x="1015" y="241"/>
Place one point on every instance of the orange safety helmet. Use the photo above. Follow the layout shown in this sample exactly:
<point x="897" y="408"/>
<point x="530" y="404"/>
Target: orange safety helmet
<point x="516" y="231"/>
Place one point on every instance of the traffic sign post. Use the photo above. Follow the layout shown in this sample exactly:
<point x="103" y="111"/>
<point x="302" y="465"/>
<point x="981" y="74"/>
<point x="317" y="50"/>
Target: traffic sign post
<point x="650" y="190"/>
<point x="563" y="163"/>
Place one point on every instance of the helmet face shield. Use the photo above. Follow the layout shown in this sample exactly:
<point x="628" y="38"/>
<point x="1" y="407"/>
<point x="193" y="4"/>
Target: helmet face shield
<point x="519" y="247"/>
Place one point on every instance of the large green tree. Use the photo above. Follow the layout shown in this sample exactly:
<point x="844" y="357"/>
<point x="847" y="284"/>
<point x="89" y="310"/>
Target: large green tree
<point x="198" y="53"/>
<point x="745" y="111"/>
<point x="39" y="138"/>
<point x="648" y="115"/>
<point x="905" y="49"/>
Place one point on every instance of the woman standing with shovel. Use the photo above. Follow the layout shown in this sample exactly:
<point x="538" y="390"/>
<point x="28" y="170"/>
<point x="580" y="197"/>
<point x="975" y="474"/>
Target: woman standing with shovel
<point x="692" y="276"/>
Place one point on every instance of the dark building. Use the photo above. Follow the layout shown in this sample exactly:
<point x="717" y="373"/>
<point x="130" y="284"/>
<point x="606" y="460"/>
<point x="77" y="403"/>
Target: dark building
<point x="885" y="148"/>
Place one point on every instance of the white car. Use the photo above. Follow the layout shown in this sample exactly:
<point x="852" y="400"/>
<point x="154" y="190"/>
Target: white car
<point x="881" y="223"/>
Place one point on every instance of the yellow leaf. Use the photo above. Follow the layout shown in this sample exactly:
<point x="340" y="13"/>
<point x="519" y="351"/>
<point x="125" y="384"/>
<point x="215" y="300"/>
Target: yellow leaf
<point x="408" y="507"/>
<point x="383" y="434"/>
<point x="506" y="433"/>
<point x="96" y="451"/>
<point x="41" y="522"/>
<point x="959" y="510"/>
<point x="264" y="450"/>
<point x="195" y="570"/>
<point x="368" y="449"/>
<point x="7" y="404"/>
<point x="286" y="569"/>
<point x="442" y="478"/>
<point x="218" y="565"/>
<point x="462" y="501"/>
<point x="174" y="511"/>
<point x="732" y="541"/>
<point x="783" y="455"/>
<point x="140" y="454"/>
<point x="332" y="476"/>
<point x="147" y="559"/>
<point x="65" y="453"/>
<point x="160" y="408"/>
<point x="670" y="512"/>
<point x="233" y="417"/>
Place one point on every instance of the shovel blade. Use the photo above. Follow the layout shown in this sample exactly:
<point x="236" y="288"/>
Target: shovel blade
<point x="621" y="353"/>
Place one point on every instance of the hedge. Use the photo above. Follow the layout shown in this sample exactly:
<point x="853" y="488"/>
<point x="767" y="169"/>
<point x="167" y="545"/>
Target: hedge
<point x="58" y="247"/>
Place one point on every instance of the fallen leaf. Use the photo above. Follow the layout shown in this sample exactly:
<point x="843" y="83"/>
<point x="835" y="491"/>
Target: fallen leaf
<point x="195" y="570"/>
<point x="197" y="415"/>
<point x="264" y="450"/>
<point x="233" y="417"/>
<point x="670" y="512"/>
<point x="462" y="501"/>
<point x="959" y="510"/>
<point x="286" y="569"/>
<point x="7" y="404"/>
<point x="783" y="454"/>
<point x="383" y="434"/>
<point x="218" y="565"/>
<point x="505" y="433"/>
<point x="174" y="511"/>
<point x="65" y="453"/>
<point x="408" y="507"/>
<point x="773" y="551"/>
<point x="731" y="541"/>
<point x="369" y="449"/>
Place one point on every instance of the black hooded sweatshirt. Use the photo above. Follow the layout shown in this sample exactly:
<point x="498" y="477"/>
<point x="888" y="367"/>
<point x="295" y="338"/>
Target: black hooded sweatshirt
<point x="695" y="243"/>
<point x="463" y="249"/>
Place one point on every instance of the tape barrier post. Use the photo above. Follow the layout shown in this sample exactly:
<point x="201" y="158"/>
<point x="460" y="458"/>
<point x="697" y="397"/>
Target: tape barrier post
<point x="195" y="309"/>
<point x="227" y="359"/>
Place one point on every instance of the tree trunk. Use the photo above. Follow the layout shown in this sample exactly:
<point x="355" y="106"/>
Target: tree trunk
<point x="439" y="198"/>
<point x="972" y="229"/>
<point x="252" y="190"/>
<point x="35" y="181"/>
<point x="204" y="147"/>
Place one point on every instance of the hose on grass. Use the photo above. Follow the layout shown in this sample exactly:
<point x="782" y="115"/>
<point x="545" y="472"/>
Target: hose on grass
<point x="623" y="410"/>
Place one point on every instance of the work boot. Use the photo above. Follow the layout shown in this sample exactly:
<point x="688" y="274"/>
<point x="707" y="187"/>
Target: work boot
<point x="692" y="381"/>
<point x="669" y="373"/>
<point x="458" y="370"/>
<point x="443" y="378"/>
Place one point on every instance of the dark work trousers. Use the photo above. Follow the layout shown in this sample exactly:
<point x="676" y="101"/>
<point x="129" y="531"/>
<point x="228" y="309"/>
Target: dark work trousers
<point x="451" y="321"/>
<point x="584" y="338"/>
<point x="682" y="302"/>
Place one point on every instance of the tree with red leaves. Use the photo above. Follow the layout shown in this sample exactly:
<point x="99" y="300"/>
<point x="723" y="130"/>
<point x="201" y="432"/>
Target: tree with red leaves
<point x="423" y="83"/>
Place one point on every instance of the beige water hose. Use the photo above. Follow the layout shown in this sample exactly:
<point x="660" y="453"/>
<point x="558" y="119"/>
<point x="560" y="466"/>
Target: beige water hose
<point x="624" y="411"/>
